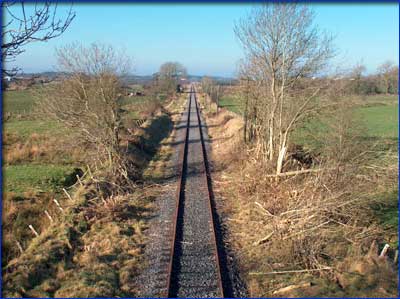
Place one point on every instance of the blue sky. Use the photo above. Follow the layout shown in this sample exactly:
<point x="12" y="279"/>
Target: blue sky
<point x="201" y="37"/>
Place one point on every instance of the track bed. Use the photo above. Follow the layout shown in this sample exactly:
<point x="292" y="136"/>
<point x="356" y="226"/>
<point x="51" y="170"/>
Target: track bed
<point x="194" y="265"/>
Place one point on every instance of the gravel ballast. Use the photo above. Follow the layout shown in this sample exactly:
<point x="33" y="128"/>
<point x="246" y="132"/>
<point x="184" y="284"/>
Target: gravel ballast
<point x="195" y="270"/>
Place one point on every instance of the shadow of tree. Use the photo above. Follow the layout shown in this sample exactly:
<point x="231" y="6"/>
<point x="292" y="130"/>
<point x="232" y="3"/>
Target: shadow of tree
<point x="146" y="146"/>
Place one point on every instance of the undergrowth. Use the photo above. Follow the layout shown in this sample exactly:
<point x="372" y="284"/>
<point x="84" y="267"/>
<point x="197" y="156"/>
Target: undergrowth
<point x="309" y="235"/>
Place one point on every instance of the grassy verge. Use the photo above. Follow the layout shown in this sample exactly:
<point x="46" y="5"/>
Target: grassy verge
<point x="37" y="165"/>
<point x="91" y="249"/>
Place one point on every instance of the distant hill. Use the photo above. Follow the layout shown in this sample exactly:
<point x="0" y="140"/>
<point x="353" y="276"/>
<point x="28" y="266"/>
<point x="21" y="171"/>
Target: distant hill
<point x="218" y="79"/>
<point x="50" y="75"/>
<point x="130" y="79"/>
<point x="135" y="79"/>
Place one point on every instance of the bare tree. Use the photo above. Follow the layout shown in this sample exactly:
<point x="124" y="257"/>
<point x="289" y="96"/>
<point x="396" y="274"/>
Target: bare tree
<point x="283" y="49"/>
<point x="24" y="24"/>
<point x="87" y="100"/>
<point x="212" y="89"/>
<point x="387" y="73"/>
<point x="356" y="75"/>
<point x="206" y="84"/>
<point x="169" y="75"/>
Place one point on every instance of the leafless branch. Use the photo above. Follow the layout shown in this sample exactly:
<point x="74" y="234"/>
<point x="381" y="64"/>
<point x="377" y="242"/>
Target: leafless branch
<point x="29" y="23"/>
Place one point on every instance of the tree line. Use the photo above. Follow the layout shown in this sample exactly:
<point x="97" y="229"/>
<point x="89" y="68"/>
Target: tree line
<point x="383" y="81"/>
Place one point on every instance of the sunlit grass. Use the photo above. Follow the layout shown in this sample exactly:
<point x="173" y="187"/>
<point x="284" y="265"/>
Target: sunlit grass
<point x="18" y="101"/>
<point x="380" y="121"/>
<point x="35" y="177"/>
<point x="25" y="128"/>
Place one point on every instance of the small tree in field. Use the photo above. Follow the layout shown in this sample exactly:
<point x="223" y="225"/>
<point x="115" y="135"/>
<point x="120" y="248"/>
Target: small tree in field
<point x="169" y="75"/>
<point x="206" y="84"/>
<point x="213" y="90"/>
<point x="356" y="74"/>
<point x="87" y="100"/>
<point x="283" y="50"/>
<point x="388" y="75"/>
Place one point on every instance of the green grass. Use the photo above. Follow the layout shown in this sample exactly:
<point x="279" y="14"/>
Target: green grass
<point x="136" y="87"/>
<point x="380" y="116"/>
<point x="133" y="114"/>
<point x="136" y="100"/>
<point x="385" y="210"/>
<point x="232" y="103"/>
<point x="18" y="102"/>
<point x="25" y="128"/>
<point x="380" y="99"/>
<point x="379" y="124"/>
<point x="36" y="177"/>
<point x="380" y="121"/>
<point x="22" y="102"/>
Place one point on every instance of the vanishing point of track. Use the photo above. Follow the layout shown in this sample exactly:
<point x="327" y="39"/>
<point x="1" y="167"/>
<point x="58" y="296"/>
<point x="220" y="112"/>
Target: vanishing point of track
<point x="194" y="267"/>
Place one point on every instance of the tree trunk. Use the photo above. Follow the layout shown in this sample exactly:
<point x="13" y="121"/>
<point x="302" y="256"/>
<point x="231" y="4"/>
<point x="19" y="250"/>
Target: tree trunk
<point x="281" y="156"/>
<point x="246" y="112"/>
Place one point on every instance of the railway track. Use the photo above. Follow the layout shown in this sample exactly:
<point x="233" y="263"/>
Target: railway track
<point x="194" y="266"/>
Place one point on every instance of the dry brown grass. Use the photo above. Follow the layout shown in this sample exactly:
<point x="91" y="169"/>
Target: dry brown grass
<point x="305" y="222"/>
<point x="43" y="148"/>
<point x="19" y="211"/>
<point x="91" y="249"/>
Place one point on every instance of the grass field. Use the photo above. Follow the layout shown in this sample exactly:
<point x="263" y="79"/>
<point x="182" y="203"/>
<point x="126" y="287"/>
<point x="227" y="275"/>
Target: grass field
<point x="38" y="175"/>
<point x="135" y="100"/>
<point x="379" y="99"/>
<point x="232" y="103"/>
<point x="376" y="115"/>
<point x="35" y="177"/>
<point x="18" y="102"/>
<point x="25" y="128"/>
<point x="380" y="121"/>
<point x="376" y="124"/>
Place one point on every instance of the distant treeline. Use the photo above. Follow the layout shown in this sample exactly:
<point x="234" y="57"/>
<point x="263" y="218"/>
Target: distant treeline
<point x="384" y="81"/>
